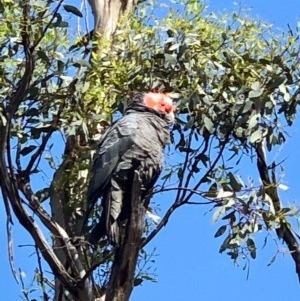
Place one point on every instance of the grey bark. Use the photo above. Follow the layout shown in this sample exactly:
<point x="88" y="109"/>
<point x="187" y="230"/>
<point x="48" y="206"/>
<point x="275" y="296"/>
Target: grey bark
<point x="107" y="14"/>
<point x="122" y="273"/>
<point x="269" y="182"/>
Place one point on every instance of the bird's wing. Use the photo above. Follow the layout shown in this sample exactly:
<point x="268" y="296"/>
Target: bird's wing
<point x="115" y="142"/>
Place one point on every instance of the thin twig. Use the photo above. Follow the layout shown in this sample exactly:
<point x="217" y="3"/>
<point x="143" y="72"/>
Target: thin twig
<point x="24" y="290"/>
<point x="41" y="276"/>
<point x="179" y="202"/>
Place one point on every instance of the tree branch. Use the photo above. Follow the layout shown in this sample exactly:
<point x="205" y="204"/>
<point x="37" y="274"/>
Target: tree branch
<point x="163" y="222"/>
<point x="181" y="202"/>
<point x="18" y="96"/>
<point x="121" y="279"/>
<point x="9" y="188"/>
<point x="70" y="250"/>
<point x="270" y="187"/>
<point x="9" y="236"/>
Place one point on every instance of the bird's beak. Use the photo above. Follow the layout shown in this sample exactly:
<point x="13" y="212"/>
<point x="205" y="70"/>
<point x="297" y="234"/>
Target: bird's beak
<point x="169" y="117"/>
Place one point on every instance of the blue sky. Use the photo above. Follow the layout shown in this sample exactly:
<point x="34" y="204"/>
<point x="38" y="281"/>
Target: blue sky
<point x="188" y="265"/>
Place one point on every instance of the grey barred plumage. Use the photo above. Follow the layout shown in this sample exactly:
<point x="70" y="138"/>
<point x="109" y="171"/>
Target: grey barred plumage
<point x="135" y="142"/>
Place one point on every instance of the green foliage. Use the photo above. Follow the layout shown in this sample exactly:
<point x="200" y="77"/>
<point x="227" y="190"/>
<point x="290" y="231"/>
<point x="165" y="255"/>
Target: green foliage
<point x="48" y="87"/>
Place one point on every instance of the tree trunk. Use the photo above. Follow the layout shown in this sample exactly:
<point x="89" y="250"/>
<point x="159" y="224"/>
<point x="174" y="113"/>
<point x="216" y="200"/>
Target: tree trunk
<point x="121" y="280"/>
<point x="65" y="199"/>
<point x="107" y="14"/>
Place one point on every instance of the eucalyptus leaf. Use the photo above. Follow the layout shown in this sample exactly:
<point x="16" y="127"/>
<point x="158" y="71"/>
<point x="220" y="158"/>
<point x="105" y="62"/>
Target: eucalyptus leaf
<point x="236" y="186"/>
<point x="220" y="231"/>
<point x="251" y="247"/>
<point x="256" y="136"/>
<point x="208" y="124"/>
<point x="218" y="213"/>
<point x="73" y="9"/>
<point x="27" y="149"/>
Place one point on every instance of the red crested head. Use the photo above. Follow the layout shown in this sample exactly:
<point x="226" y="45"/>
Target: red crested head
<point x="160" y="102"/>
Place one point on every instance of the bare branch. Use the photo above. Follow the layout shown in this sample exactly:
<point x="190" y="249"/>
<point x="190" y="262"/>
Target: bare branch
<point x="181" y="202"/>
<point x="196" y="161"/>
<point x="197" y="192"/>
<point x="181" y="193"/>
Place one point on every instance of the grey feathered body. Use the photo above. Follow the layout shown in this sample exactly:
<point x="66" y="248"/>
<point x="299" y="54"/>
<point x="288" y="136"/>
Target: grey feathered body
<point x="135" y="142"/>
